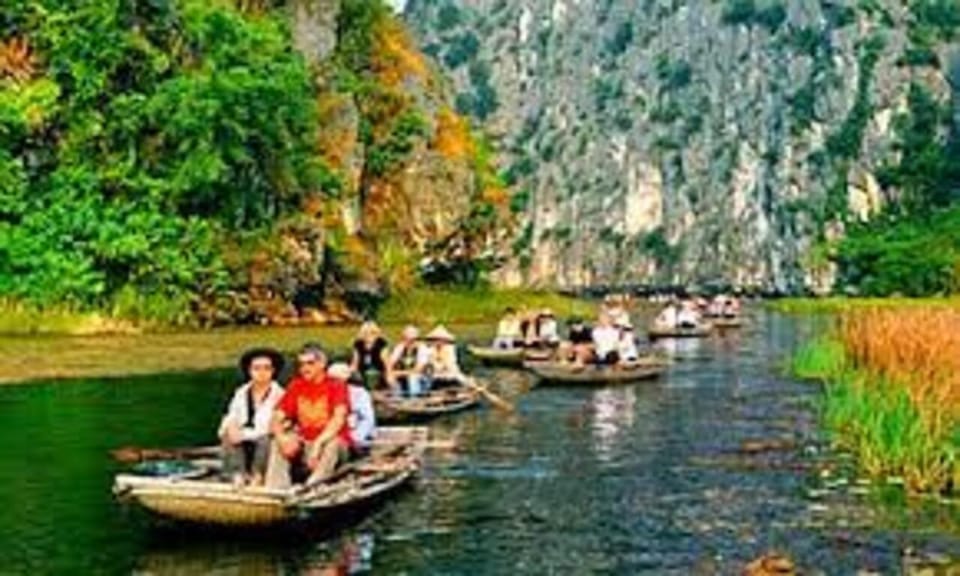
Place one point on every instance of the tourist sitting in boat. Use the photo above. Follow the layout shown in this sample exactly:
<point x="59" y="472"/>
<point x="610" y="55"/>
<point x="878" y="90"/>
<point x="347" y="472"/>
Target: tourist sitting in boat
<point x="731" y="308"/>
<point x="442" y="366"/>
<point x="689" y="315"/>
<point x="245" y="428"/>
<point x="310" y="432"/>
<point x="548" y="332"/>
<point x="579" y="346"/>
<point x="361" y="421"/>
<point x="668" y="317"/>
<point x="370" y="355"/>
<point x="606" y="341"/>
<point x="406" y="363"/>
<point x="509" y="332"/>
<point x="627" y="346"/>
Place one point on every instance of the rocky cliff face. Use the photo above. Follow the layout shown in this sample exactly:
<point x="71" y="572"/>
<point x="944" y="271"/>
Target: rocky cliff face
<point x="697" y="141"/>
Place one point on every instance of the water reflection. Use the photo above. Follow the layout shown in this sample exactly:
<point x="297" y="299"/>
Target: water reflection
<point x="174" y="556"/>
<point x="614" y="411"/>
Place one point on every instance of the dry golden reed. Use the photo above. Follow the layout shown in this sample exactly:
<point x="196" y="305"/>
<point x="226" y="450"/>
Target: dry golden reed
<point x="916" y="348"/>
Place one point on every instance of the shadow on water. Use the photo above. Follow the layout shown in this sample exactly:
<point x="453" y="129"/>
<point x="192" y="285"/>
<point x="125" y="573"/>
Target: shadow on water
<point x="700" y="471"/>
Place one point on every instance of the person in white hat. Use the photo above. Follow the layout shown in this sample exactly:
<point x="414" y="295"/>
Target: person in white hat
<point x="442" y="364"/>
<point x="627" y="349"/>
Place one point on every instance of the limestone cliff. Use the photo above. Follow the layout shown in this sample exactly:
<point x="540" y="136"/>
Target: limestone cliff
<point x="689" y="141"/>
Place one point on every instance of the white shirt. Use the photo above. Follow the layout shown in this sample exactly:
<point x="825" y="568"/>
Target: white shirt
<point x="262" y="416"/>
<point x="362" y="420"/>
<point x="606" y="339"/>
<point x="668" y="317"/>
<point x="628" y="347"/>
<point x="688" y="316"/>
<point x="548" y="330"/>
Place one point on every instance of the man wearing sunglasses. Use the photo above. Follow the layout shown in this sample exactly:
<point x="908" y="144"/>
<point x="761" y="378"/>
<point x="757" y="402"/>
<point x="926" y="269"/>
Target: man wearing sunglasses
<point x="310" y="429"/>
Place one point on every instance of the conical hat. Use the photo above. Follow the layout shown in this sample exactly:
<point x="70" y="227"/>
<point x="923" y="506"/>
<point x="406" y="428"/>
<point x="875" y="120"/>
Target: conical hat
<point x="441" y="333"/>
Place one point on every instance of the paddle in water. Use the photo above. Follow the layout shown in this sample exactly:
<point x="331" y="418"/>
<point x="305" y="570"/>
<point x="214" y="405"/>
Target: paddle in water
<point x="486" y="393"/>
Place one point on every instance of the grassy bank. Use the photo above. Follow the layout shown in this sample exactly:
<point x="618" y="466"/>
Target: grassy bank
<point x="838" y="304"/>
<point x="892" y="393"/>
<point x="37" y="346"/>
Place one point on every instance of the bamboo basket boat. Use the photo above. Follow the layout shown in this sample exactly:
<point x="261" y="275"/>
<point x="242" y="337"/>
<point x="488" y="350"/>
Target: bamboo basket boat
<point x="560" y="373"/>
<point x="392" y="407"/>
<point x="661" y="332"/>
<point x="725" y="322"/>
<point x="201" y="497"/>
<point x="498" y="356"/>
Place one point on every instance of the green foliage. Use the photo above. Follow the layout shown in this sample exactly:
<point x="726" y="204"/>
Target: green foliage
<point x="768" y="14"/>
<point x="819" y="359"/>
<point x="926" y="173"/>
<point x="621" y="39"/>
<point x="462" y="49"/>
<point x="384" y="156"/>
<point x="908" y="255"/>
<point x="673" y="74"/>
<point x="846" y="142"/>
<point x="155" y="131"/>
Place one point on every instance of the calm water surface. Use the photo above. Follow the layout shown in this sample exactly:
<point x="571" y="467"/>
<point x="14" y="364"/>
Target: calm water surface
<point x="653" y="478"/>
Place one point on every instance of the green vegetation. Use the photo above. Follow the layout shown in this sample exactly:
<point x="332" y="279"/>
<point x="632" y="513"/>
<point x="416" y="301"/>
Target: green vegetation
<point x="838" y="304"/>
<point x="846" y="142"/>
<point x="151" y="135"/>
<point x="877" y="421"/>
<point x="770" y="14"/>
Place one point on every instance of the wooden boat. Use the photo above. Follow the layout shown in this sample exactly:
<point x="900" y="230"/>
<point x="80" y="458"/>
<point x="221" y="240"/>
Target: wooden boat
<point x="661" y="332"/>
<point x="725" y="322"/>
<point x="392" y="407"/>
<point x="197" y="495"/>
<point x="562" y="373"/>
<point x="498" y="356"/>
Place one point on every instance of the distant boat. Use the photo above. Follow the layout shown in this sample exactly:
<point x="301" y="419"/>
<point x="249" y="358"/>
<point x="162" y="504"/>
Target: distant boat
<point x="701" y="331"/>
<point x="195" y="494"/>
<point x="562" y="373"/>
<point x="393" y="407"/>
<point x="724" y="322"/>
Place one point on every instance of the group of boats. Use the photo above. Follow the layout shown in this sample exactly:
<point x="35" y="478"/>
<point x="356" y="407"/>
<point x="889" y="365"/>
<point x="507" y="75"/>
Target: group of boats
<point x="188" y="487"/>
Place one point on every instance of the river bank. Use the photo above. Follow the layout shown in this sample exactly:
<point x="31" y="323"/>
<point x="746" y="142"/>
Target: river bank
<point x="70" y="347"/>
<point x="841" y="304"/>
<point x="892" y="394"/>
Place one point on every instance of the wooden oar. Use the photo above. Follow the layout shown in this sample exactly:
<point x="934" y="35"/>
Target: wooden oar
<point x="134" y="454"/>
<point x="486" y="393"/>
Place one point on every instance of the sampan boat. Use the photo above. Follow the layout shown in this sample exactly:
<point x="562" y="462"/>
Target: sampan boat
<point x="498" y="356"/>
<point x="196" y="494"/>
<point x="563" y="373"/>
<point x="726" y="322"/>
<point x="393" y="407"/>
<point x="701" y="331"/>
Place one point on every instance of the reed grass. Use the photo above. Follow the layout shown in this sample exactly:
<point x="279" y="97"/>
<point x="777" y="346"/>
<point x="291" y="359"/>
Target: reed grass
<point x="892" y="393"/>
<point x="840" y="304"/>
<point x="17" y="318"/>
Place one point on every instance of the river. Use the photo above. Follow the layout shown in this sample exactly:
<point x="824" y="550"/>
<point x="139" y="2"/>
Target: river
<point x="699" y="472"/>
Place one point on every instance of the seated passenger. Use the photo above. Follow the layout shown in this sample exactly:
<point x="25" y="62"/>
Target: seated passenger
<point x="362" y="420"/>
<point x="606" y="341"/>
<point x="627" y="346"/>
<point x="548" y="333"/>
<point x="689" y="316"/>
<point x="310" y="432"/>
<point x="509" y="332"/>
<point x="579" y="345"/>
<point x="245" y="428"/>
<point x="370" y="355"/>
<point x="405" y="365"/>
<point x="440" y="362"/>
<point x="668" y="317"/>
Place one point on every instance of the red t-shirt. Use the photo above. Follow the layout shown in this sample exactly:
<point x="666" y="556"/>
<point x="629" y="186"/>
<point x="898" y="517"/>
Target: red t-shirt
<point x="311" y="405"/>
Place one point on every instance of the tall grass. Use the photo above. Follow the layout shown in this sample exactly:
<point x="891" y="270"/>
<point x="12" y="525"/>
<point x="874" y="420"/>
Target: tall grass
<point x="840" y="305"/>
<point x="18" y="319"/>
<point x="893" y="392"/>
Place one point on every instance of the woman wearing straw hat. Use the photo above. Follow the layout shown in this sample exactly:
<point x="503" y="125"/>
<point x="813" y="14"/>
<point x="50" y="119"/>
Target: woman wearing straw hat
<point x="442" y="364"/>
<point x="245" y="428"/>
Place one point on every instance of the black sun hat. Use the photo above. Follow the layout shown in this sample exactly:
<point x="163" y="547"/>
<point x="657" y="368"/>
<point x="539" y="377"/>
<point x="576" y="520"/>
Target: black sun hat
<point x="276" y="358"/>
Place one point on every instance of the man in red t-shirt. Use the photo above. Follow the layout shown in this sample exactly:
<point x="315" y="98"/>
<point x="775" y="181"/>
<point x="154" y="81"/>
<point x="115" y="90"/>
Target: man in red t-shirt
<point x="310" y="429"/>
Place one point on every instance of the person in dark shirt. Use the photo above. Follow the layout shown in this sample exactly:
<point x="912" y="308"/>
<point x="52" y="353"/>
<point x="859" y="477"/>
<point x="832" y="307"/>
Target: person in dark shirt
<point x="370" y="355"/>
<point x="579" y="348"/>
